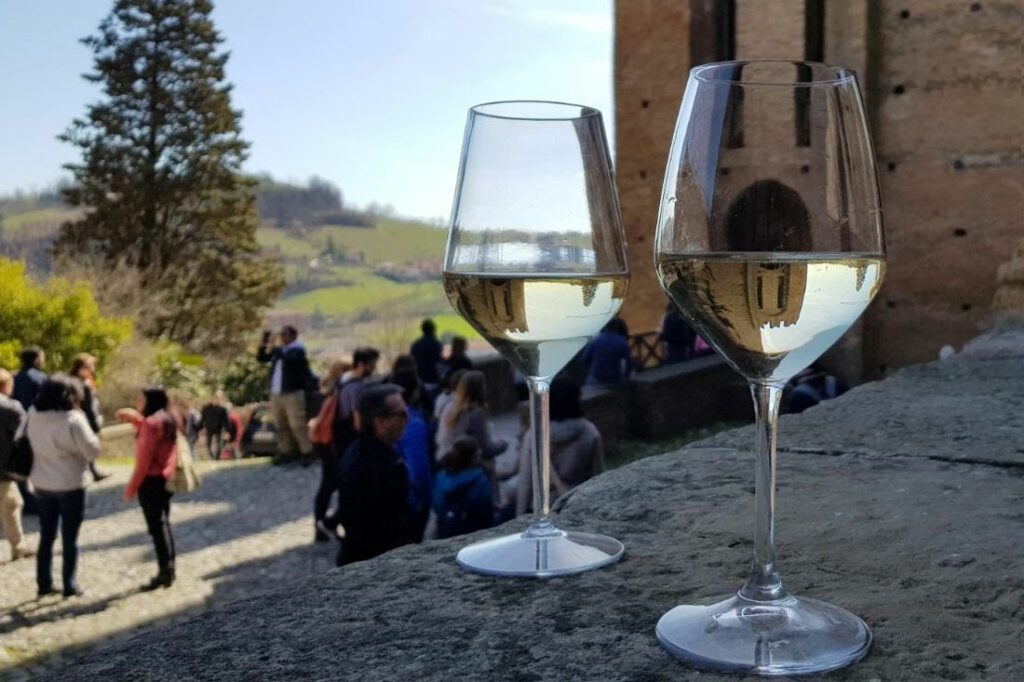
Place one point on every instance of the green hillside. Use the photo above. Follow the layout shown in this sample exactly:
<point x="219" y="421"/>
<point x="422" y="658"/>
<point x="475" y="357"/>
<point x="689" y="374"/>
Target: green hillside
<point x="333" y="270"/>
<point x="367" y="292"/>
<point x="391" y="241"/>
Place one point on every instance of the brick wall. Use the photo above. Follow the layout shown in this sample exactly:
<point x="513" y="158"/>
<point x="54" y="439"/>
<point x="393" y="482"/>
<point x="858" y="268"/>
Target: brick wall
<point x="942" y="82"/>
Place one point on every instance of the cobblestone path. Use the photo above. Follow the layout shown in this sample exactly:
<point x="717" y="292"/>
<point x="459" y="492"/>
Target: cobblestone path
<point x="246" y="530"/>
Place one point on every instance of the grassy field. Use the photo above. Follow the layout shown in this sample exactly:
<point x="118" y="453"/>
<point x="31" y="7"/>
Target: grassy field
<point x="369" y="293"/>
<point x="274" y="239"/>
<point x="392" y="241"/>
<point x="45" y="217"/>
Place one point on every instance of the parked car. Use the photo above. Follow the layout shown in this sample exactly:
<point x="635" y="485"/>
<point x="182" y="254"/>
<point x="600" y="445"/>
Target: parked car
<point x="260" y="436"/>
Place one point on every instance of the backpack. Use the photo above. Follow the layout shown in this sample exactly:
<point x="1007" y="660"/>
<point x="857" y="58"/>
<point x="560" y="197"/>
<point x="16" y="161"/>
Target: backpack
<point x="455" y="517"/>
<point x="343" y="430"/>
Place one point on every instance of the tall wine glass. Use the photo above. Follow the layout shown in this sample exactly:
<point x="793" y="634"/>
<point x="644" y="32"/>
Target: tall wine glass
<point x="770" y="242"/>
<point x="536" y="263"/>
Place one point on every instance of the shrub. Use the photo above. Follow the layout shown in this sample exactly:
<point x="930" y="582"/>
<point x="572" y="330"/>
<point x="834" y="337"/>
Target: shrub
<point x="61" y="317"/>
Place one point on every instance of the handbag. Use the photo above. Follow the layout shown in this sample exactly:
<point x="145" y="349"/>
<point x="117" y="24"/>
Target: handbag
<point x="185" y="479"/>
<point x="321" y="430"/>
<point x="16" y="463"/>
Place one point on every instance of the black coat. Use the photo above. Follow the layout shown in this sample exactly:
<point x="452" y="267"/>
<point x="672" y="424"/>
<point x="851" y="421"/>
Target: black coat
<point x="295" y="372"/>
<point x="27" y="383"/>
<point x="373" y="486"/>
<point x="11" y="416"/>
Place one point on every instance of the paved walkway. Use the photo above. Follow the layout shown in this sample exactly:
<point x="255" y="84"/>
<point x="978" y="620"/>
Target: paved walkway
<point x="246" y="530"/>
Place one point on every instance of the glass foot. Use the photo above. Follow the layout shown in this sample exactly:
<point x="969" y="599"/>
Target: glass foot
<point x="533" y="555"/>
<point x="789" y="636"/>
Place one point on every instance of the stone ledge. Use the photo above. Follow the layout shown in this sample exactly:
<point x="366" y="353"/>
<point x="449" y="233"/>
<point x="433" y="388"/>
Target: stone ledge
<point x="898" y="526"/>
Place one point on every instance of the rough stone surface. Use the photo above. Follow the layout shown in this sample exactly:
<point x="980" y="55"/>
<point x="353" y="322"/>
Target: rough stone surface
<point x="901" y="501"/>
<point x="246" y="530"/>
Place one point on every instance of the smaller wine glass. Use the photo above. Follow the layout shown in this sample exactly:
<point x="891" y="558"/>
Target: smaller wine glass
<point x="536" y="263"/>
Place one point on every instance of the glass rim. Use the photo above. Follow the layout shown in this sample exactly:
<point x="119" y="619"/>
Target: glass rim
<point x="581" y="111"/>
<point x="841" y="75"/>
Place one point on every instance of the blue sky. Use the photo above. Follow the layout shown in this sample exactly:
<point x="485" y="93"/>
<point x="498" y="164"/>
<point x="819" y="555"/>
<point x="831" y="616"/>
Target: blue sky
<point x="369" y="95"/>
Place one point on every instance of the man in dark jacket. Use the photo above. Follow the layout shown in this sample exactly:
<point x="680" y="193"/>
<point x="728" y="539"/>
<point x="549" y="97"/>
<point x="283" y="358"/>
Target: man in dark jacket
<point x="11" y="416"/>
<point x="26" y="386"/>
<point x="31" y="376"/>
<point x="343" y="433"/>
<point x="213" y="419"/>
<point x="373" y="483"/>
<point x="289" y="377"/>
<point x="428" y="353"/>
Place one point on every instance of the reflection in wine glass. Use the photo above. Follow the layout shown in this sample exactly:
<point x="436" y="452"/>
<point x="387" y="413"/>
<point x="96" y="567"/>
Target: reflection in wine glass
<point x="536" y="263"/>
<point x="770" y="243"/>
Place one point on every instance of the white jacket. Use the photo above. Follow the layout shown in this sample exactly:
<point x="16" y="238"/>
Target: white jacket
<point x="62" y="447"/>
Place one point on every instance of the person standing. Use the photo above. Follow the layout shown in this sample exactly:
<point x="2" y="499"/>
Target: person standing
<point x="12" y="415"/>
<point x="414" y="448"/>
<point x="457" y="357"/>
<point x="27" y="383"/>
<point x="156" y="454"/>
<point x="677" y="336"/>
<point x="289" y="377"/>
<point x="30" y="377"/>
<point x="83" y="368"/>
<point x="344" y="431"/>
<point x="373" y="483"/>
<point x="427" y="351"/>
<point x="467" y="415"/>
<point x="214" y="420"/>
<point x="62" y="445"/>
<point x="191" y="423"/>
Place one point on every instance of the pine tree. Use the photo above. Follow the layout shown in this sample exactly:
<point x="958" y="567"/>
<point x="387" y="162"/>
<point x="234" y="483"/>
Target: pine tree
<point x="161" y="178"/>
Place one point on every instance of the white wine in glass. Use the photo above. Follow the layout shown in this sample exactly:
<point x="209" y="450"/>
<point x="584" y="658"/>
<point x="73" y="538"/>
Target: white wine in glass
<point x="536" y="263"/>
<point x="770" y="243"/>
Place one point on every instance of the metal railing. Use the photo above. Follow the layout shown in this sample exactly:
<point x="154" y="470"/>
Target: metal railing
<point x="647" y="350"/>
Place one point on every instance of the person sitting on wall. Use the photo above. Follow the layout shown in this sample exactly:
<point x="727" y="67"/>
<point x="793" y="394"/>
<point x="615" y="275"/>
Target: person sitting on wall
<point x="608" y="355"/>
<point x="577" y="452"/>
<point x="809" y="387"/>
<point x="463" y="501"/>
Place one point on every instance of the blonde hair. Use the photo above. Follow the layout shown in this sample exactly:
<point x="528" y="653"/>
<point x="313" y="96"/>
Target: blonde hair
<point x="5" y="377"/>
<point x="83" y="361"/>
<point x="338" y="368"/>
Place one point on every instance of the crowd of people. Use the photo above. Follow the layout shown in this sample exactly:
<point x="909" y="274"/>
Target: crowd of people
<point x="412" y="452"/>
<point x="403" y="455"/>
<point x="59" y="417"/>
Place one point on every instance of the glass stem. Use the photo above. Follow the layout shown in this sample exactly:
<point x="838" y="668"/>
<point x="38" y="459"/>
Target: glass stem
<point x="540" y="427"/>
<point x="764" y="583"/>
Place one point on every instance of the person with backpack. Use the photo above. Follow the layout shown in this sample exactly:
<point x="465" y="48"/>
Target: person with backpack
<point x="463" y="500"/>
<point x="343" y="434"/>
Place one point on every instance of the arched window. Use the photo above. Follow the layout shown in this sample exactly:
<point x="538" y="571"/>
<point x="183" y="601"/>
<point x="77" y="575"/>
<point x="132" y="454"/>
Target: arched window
<point x="768" y="216"/>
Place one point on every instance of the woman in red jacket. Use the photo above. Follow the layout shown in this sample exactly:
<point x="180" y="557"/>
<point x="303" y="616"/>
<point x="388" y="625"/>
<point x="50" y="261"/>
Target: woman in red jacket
<point x="155" y="459"/>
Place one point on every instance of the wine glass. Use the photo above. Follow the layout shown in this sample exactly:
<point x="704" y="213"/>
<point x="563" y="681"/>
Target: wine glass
<point x="770" y="242"/>
<point x="536" y="263"/>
